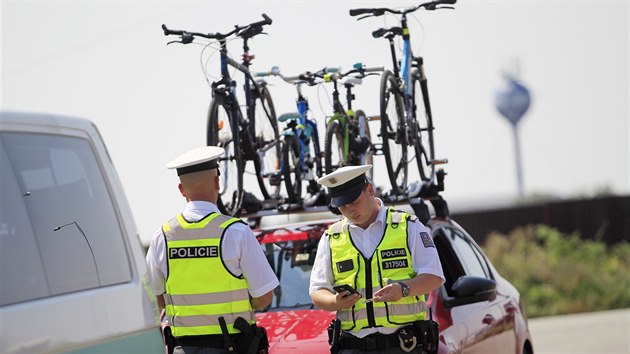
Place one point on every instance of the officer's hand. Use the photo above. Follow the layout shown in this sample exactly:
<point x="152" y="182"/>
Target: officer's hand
<point x="389" y="293"/>
<point x="345" y="300"/>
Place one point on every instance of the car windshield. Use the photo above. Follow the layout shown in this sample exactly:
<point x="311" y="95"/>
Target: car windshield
<point x="292" y="261"/>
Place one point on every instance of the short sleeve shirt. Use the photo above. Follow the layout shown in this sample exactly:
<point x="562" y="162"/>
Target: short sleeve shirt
<point x="425" y="259"/>
<point x="240" y="251"/>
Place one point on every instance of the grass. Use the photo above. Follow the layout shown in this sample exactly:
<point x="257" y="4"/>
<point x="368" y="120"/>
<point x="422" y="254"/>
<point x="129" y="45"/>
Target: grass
<point x="560" y="273"/>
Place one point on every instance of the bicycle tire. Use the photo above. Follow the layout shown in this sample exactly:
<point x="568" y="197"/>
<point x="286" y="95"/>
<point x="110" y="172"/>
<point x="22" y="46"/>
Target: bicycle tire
<point x="222" y="133"/>
<point x="393" y="132"/>
<point x="368" y="157"/>
<point x="291" y="168"/>
<point x="333" y="147"/>
<point x="268" y="144"/>
<point x="316" y="152"/>
<point x="424" y="131"/>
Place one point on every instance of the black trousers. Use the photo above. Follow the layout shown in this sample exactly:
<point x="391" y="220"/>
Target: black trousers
<point x="198" y="350"/>
<point x="394" y="350"/>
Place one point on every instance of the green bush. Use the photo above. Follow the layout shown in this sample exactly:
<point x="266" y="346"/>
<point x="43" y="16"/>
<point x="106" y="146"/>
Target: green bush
<point x="558" y="273"/>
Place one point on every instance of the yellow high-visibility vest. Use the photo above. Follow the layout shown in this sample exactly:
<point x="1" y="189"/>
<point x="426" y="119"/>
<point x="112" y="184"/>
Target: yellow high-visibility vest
<point x="391" y="261"/>
<point x="199" y="288"/>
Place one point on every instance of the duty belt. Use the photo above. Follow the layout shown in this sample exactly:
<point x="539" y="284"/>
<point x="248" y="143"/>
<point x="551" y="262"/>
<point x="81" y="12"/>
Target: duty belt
<point x="206" y="341"/>
<point x="372" y="342"/>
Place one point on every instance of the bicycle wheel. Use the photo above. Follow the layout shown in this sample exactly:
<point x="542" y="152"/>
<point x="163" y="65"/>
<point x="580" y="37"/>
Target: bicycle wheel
<point x="368" y="156"/>
<point x="423" y="137"/>
<point x="291" y="168"/>
<point x="393" y="132"/>
<point x="221" y="132"/>
<point x="333" y="147"/>
<point x="267" y="143"/>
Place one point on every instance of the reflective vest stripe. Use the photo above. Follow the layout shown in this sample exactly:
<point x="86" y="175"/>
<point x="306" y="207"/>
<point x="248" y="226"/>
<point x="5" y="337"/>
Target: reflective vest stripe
<point x="218" y="309"/>
<point x="207" y="320"/>
<point x="392" y="308"/>
<point x="202" y="299"/>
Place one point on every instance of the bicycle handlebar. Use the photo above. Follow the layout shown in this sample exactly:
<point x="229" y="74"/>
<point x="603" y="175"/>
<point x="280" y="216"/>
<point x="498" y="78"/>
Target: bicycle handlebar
<point x="338" y="75"/>
<point x="309" y="77"/>
<point x="187" y="36"/>
<point x="432" y="5"/>
<point x="374" y="12"/>
<point x="306" y="77"/>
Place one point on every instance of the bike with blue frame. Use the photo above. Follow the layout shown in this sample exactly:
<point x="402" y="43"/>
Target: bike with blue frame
<point x="402" y="91"/>
<point x="301" y="154"/>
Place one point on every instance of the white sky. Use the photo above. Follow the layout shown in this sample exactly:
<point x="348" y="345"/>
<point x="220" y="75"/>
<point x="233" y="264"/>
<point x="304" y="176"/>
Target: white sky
<point x="108" y="61"/>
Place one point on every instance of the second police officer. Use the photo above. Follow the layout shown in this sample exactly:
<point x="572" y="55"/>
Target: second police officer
<point x="387" y="261"/>
<point x="208" y="269"/>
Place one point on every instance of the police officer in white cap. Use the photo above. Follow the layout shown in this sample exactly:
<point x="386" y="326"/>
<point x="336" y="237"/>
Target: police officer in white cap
<point x="208" y="269"/>
<point x="387" y="261"/>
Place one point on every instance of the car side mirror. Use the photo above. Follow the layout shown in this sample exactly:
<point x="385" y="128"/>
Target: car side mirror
<point x="468" y="289"/>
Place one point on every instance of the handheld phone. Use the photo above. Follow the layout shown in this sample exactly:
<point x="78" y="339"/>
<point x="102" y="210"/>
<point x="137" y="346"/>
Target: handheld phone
<point x="345" y="287"/>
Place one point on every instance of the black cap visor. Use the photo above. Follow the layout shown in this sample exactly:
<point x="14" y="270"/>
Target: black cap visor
<point x="347" y="193"/>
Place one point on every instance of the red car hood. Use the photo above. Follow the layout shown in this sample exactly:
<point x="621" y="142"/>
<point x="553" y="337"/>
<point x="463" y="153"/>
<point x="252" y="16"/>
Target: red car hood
<point x="298" y="331"/>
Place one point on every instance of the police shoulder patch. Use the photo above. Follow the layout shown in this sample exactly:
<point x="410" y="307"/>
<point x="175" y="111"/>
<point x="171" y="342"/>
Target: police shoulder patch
<point x="426" y="239"/>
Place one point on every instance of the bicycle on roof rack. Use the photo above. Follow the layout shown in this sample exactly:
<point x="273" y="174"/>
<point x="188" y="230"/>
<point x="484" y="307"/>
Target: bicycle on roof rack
<point x="253" y="137"/>
<point x="301" y="152"/>
<point x="348" y="140"/>
<point x="401" y="93"/>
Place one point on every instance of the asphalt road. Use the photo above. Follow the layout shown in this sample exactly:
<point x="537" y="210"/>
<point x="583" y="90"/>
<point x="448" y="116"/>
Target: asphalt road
<point x="606" y="332"/>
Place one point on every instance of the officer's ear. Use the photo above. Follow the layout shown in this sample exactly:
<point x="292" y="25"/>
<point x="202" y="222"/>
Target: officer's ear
<point x="181" y="190"/>
<point x="370" y="188"/>
<point x="217" y="180"/>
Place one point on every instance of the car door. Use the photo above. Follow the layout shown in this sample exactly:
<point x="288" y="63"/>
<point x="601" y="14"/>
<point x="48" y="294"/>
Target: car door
<point x="481" y="325"/>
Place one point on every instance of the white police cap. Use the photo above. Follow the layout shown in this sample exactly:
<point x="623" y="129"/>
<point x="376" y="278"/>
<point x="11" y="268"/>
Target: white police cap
<point x="199" y="159"/>
<point x="345" y="184"/>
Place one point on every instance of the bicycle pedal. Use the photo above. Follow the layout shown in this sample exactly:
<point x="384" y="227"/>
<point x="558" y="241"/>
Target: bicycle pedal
<point x="275" y="179"/>
<point x="439" y="161"/>
<point x="377" y="148"/>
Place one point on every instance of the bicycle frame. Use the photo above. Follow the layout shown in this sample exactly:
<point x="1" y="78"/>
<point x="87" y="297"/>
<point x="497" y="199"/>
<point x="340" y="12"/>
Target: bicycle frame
<point x="309" y="125"/>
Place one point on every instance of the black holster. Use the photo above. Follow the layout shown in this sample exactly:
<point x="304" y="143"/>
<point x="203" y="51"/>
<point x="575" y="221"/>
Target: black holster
<point x="428" y="335"/>
<point x="254" y="339"/>
<point x="334" y="336"/>
<point x="169" y="340"/>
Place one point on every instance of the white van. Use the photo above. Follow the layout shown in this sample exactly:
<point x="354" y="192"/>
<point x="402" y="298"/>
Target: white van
<point x="73" y="276"/>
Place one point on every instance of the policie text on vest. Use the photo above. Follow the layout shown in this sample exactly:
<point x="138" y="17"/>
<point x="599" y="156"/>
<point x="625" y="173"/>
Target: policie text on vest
<point x="193" y="252"/>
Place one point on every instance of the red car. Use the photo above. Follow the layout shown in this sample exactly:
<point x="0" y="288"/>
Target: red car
<point x="478" y="311"/>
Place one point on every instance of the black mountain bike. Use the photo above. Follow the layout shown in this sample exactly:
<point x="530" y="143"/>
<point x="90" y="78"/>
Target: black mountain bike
<point x="403" y="93"/>
<point x="253" y="137"/>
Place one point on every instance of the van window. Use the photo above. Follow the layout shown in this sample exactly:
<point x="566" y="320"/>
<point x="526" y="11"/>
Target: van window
<point x="59" y="232"/>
